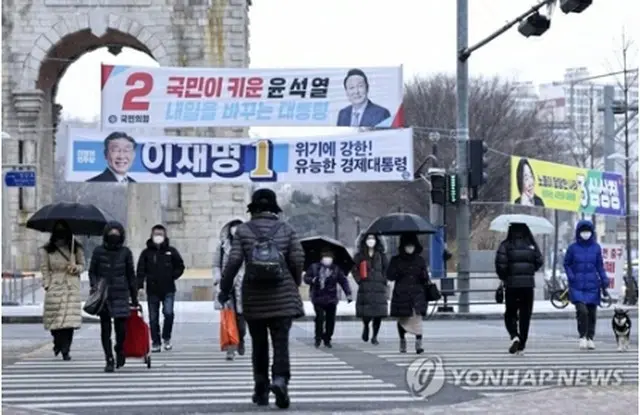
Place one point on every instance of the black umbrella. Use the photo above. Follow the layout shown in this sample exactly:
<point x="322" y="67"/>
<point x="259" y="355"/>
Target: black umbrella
<point x="83" y="219"/>
<point x="399" y="223"/>
<point x="314" y="245"/>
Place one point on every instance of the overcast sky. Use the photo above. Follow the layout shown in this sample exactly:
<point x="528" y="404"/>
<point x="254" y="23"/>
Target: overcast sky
<point x="419" y="34"/>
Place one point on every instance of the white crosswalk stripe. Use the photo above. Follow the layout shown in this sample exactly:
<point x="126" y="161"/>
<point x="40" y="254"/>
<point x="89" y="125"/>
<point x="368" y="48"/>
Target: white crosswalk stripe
<point x="484" y="366"/>
<point x="190" y="375"/>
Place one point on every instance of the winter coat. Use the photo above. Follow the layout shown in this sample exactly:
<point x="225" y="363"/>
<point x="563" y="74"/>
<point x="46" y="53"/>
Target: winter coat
<point x="220" y="259"/>
<point x="62" y="301"/>
<point x="114" y="263"/>
<point x="260" y="301"/>
<point x="160" y="267"/>
<point x="518" y="259"/>
<point x="372" y="290"/>
<point x="326" y="293"/>
<point x="584" y="266"/>
<point x="411" y="276"/>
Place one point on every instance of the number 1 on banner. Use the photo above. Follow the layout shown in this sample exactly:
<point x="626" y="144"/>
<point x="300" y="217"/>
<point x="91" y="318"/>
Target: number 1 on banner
<point x="264" y="153"/>
<point x="129" y="102"/>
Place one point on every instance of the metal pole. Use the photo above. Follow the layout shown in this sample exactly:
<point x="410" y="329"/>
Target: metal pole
<point x="556" y="236"/>
<point x="609" y="149"/>
<point x="591" y="142"/>
<point x="627" y="187"/>
<point x="336" y="224"/>
<point x="463" y="224"/>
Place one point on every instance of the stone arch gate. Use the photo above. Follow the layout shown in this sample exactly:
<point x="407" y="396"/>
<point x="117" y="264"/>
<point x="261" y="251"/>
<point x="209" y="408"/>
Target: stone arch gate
<point x="41" y="38"/>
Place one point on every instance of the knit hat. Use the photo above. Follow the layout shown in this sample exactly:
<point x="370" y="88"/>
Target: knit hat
<point x="264" y="200"/>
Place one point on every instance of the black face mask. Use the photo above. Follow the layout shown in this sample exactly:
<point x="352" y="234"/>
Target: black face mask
<point x="113" y="239"/>
<point x="61" y="234"/>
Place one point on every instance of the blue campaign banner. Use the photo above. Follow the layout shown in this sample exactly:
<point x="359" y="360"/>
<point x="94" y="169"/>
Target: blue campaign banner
<point x="117" y="156"/>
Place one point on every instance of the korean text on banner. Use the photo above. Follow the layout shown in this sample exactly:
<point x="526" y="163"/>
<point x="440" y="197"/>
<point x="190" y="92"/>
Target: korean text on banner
<point x="107" y="156"/>
<point x="562" y="187"/>
<point x="613" y="258"/>
<point x="209" y="97"/>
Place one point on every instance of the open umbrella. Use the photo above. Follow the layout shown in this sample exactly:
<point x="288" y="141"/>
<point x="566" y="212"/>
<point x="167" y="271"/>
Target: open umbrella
<point x="314" y="245"/>
<point x="537" y="225"/>
<point x="83" y="219"/>
<point x="399" y="223"/>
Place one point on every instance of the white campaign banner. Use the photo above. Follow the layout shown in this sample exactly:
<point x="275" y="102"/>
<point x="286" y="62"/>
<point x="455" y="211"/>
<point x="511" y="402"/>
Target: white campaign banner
<point x="613" y="258"/>
<point x="117" y="156"/>
<point x="242" y="97"/>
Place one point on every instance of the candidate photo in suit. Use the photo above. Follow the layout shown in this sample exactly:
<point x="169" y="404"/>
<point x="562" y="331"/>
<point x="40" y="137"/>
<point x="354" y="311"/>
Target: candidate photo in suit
<point x="362" y="112"/>
<point x="119" y="152"/>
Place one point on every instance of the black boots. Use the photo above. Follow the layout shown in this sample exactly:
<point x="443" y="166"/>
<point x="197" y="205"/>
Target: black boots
<point x="120" y="360"/>
<point x="280" y="390"/>
<point x="261" y="394"/>
<point x="110" y="366"/>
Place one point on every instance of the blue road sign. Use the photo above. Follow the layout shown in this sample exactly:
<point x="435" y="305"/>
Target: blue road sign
<point x="20" y="178"/>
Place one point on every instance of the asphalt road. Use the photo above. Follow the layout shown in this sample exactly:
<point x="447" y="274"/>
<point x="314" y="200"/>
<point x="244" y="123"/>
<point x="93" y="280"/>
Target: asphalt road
<point x="353" y="376"/>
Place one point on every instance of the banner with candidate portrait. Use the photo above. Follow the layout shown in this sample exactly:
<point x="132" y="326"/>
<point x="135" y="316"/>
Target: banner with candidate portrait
<point x="119" y="156"/>
<point x="135" y="96"/>
<point x="563" y="187"/>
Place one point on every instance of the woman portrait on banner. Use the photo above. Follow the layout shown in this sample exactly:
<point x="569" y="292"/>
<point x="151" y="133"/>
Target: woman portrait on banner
<point x="62" y="262"/>
<point x="526" y="183"/>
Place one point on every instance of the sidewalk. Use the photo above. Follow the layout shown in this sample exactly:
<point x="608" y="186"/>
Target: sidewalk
<point x="203" y="312"/>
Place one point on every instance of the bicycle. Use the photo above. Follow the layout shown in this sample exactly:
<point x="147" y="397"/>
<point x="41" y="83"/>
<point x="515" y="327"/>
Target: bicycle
<point x="560" y="299"/>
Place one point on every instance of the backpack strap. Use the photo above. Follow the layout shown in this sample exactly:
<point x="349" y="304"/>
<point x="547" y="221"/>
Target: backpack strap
<point x="269" y="234"/>
<point x="274" y="229"/>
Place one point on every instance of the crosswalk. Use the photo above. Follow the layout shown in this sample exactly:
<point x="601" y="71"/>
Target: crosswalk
<point x="483" y="365"/>
<point x="193" y="375"/>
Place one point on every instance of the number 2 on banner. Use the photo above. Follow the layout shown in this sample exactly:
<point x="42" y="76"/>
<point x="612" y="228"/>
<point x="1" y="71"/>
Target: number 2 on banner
<point x="130" y="101"/>
<point x="263" y="160"/>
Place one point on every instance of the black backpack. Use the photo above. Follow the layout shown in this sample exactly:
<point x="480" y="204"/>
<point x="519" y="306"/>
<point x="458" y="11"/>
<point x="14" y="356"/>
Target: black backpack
<point x="265" y="262"/>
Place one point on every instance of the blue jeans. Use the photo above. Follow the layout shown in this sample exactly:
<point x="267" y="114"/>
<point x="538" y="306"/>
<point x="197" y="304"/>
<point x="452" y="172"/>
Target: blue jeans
<point x="154" y="302"/>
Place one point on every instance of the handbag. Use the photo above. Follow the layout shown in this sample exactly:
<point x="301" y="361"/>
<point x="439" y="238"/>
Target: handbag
<point x="432" y="293"/>
<point x="229" y="336"/>
<point x="500" y="294"/>
<point x="97" y="299"/>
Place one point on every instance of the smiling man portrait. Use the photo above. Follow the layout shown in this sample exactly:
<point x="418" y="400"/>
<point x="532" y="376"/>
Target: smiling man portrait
<point x="119" y="152"/>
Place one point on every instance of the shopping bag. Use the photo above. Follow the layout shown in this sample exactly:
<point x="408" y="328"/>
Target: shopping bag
<point x="363" y="270"/>
<point x="137" y="339"/>
<point x="229" y="336"/>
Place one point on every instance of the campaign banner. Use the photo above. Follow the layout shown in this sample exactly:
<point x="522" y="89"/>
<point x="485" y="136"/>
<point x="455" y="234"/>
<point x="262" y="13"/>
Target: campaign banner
<point x="118" y="156"/>
<point x="134" y="96"/>
<point x="563" y="187"/>
<point x="613" y="258"/>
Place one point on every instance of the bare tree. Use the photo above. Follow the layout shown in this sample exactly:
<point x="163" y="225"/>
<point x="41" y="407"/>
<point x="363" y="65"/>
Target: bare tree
<point x="494" y="116"/>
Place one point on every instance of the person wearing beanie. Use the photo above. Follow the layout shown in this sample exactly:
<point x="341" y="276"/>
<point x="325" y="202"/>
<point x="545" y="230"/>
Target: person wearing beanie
<point x="274" y="262"/>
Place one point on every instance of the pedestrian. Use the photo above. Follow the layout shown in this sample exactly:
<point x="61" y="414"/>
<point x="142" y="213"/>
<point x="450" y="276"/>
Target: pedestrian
<point x="409" y="302"/>
<point x="370" y="275"/>
<point x="159" y="266"/>
<point x="323" y="278"/>
<point x="61" y="263"/>
<point x="517" y="260"/>
<point x="220" y="258"/>
<point x="274" y="262"/>
<point x="587" y="279"/>
<point x="113" y="262"/>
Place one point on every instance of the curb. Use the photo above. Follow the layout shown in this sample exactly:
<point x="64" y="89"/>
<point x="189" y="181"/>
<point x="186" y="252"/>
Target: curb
<point x="557" y="315"/>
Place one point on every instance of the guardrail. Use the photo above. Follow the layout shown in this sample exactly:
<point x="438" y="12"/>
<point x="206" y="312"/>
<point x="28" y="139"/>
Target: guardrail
<point x="16" y="285"/>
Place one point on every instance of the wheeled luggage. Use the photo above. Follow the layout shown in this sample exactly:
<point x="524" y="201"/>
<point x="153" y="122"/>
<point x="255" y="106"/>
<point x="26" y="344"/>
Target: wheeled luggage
<point x="137" y="341"/>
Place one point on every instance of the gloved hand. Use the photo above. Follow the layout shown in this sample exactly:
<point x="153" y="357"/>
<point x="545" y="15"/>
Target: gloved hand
<point x="223" y="297"/>
<point x="605" y="292"/>
<point x="349" y="299"/>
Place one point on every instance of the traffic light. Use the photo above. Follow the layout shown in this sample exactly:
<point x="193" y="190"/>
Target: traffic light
<point x="574" y="6"/>
<point x="453" y="188"/>
<point x="478" y="163"/>
<point x="534" y="25"/>
<point x="438" y="186"/>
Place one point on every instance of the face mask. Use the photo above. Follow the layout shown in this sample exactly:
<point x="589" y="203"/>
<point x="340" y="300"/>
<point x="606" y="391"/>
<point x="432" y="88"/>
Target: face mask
<point x="158" y="239"/>
<point x="327" y="261"/>
<point x="371" y="243"/>
<point x="232" y="231"/>
<point x="113" y="239"/>
<point x="409" y="249"/>
<point x="585" y="235"/>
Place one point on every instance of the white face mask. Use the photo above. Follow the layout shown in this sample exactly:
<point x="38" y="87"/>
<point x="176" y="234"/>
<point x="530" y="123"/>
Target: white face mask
<point x="371" y="243"/>
<point x="585" y="235"/>
<point x="409" y="249"/>
<point x="232" y="231"/>
<point x="327" y="261"/>
<point x="158" y="239"/>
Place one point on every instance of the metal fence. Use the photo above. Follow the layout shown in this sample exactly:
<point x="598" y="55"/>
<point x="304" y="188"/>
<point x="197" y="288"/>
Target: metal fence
<point x="17" y="285"/>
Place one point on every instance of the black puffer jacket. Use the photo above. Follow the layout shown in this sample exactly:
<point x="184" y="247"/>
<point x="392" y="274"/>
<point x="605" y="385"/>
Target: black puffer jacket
<point x="371" y="301"/>
<point x="115" y="264"/>
<point x="410" y="275"/>
<point x="518" y="258"/>
<point x="260" y="301"/>
<point x="159" y="266"/>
